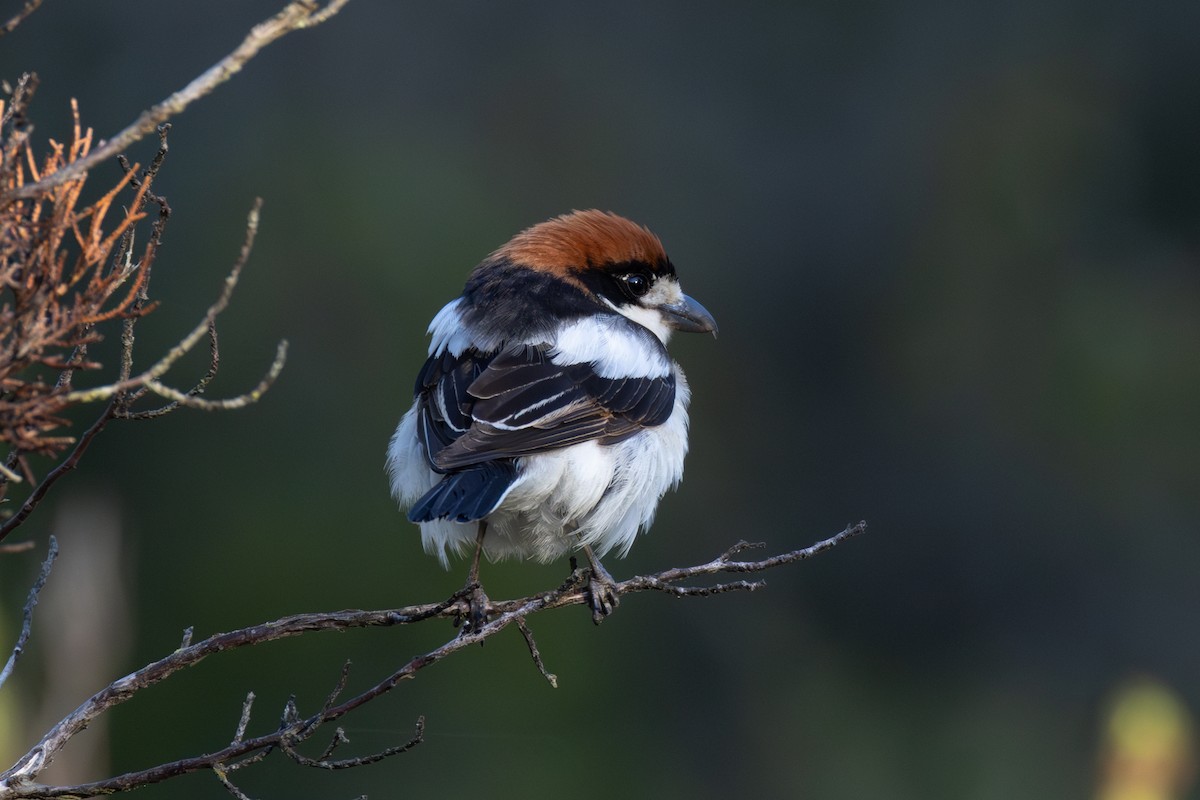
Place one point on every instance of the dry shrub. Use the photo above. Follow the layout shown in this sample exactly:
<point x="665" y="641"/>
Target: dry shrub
<point x="66" y="269"/>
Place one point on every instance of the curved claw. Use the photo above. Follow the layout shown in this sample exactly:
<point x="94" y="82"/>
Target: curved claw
<point x="602" y="598"/>
<point x="478" y="608"/>
<point x="602" y="589"/>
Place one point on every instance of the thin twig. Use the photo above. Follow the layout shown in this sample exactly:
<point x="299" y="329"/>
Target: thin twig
<point x="187" y="400"/>
<point x="189" y="341"/>
<point x="53" y="476"/>
<point x="10" y="26"/>
<point x="249" y="760"/>
<point x="338" y="688"/>
<point x="358" y="761"/>
<point x="295" y="16"/>
<point x="220" y="772"/>
<point x="18" y="781"/>
<point x="701" y="591"/>
<point x="550" y="677"/>
<point x="240" y="732"/>
<point x="339" y="738"/>
<point x="27" y="614"/>
<point x="8" y="474"/>
<point x="214" y="364"/>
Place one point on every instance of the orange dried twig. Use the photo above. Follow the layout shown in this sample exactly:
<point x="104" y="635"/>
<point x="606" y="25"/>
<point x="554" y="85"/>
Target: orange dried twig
<point x="49" y="311"/>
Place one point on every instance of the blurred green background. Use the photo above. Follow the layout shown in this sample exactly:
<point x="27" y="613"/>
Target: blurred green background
<point x="953" y="250"/>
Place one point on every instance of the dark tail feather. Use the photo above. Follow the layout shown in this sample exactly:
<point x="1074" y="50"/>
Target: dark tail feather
<point x="466" y="495"/>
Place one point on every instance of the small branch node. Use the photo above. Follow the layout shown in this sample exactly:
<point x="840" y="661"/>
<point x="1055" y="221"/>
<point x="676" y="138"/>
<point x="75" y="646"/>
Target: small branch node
<point x="741" y="547"/>
<point x="187" y="637"/>
<point x="339" y="737"/>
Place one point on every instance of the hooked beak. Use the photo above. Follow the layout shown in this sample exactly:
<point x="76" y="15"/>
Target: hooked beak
<point x="689" y="316"/>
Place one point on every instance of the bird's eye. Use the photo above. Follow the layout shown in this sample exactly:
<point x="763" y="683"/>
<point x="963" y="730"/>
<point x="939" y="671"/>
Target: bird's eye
<point x="637" y="284"/>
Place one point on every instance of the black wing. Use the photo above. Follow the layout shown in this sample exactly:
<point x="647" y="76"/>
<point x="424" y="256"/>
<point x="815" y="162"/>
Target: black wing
<point x="477" y="408"/>
<point x="466" y="495"/>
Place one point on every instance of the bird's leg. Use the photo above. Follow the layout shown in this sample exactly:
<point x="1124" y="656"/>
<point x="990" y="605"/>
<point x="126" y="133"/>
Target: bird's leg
<point x="477" y="598"/>
<point x="602" y="592"/>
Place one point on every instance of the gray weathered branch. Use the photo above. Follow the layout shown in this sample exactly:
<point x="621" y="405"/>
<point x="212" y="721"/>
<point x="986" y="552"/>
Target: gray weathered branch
<point x="20" y="781"/>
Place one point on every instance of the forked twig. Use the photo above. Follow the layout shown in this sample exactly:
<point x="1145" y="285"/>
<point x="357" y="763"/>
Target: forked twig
<point x="184" y="346"/>
<point x="121" y="393"/>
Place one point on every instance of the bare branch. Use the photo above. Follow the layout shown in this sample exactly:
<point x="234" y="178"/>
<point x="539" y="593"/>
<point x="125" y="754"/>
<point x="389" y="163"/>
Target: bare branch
<point x="294" y="16"/>
<point x="27" y="615"/>
<point x="18" y="781"/>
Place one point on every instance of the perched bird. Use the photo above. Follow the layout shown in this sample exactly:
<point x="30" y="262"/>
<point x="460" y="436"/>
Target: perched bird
<point x="548" y="417"/>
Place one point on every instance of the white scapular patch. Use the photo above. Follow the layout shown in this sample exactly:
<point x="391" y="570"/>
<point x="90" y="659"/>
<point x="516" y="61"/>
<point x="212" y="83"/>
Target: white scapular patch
<point x="614" y="350"/>
<point x="447" y="331"/>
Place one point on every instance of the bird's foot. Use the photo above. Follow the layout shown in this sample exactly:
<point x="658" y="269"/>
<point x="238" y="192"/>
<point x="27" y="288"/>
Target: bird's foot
<point x="602" y="592"/>
<point x="476" y="614"/>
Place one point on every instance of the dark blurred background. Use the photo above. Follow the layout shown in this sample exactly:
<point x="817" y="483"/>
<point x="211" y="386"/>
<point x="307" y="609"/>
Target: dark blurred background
<point x="953" y="250"/>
